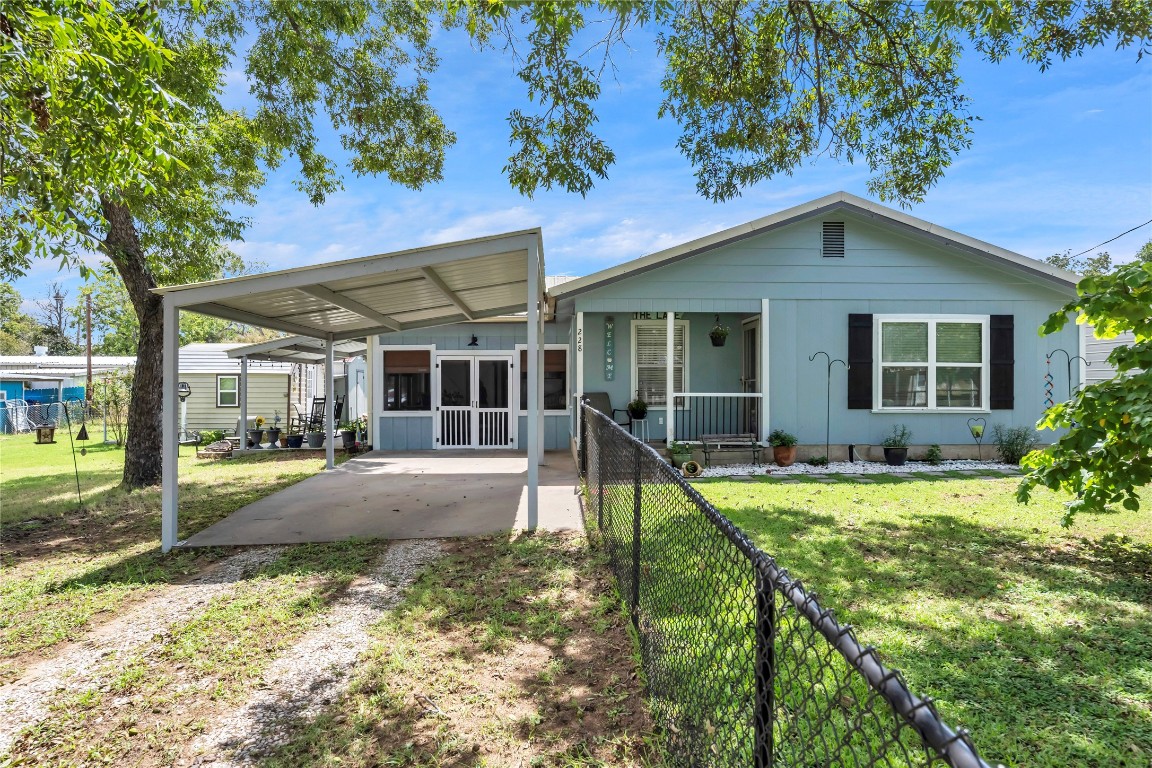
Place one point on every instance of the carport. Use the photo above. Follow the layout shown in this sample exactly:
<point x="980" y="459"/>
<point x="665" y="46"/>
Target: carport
<point x="357" y="298"/>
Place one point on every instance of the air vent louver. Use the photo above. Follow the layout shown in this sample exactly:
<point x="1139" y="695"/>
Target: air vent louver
<point x="833" y="245"/>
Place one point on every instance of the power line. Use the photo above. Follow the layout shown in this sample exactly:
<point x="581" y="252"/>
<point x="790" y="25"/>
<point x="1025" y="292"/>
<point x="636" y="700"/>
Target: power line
<point x="1114" y="238"/>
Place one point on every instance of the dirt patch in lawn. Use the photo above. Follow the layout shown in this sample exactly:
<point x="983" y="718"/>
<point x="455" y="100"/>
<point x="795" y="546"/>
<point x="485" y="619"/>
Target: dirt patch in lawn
<point x="508" y="652"/>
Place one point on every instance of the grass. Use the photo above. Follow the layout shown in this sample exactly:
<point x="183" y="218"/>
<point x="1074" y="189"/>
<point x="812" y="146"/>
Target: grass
<point x="66" y="567"/>
<point x="507" y="652"/>
<point x="1036" y="638"/>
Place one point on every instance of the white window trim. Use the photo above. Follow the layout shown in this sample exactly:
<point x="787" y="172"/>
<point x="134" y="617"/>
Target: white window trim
<point x="568" y="361"/>
<point x="434" y="379"/>
<point x="663" y="325"/>
<point x="931" y="364"/>
<point x="234" y="377"/>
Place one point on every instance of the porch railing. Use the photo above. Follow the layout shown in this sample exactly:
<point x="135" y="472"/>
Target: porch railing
<point x="713" y="413"/>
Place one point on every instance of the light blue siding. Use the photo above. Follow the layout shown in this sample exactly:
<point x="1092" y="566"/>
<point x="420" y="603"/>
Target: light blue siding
<point x="883" y="272"/>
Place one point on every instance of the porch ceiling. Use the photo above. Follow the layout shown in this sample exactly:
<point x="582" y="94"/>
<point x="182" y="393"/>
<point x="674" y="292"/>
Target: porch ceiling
<point x="417" y="288"/>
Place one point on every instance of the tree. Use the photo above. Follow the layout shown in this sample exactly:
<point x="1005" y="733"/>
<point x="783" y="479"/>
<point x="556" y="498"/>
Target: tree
<point x="17" y="329"/>
<point x="1105" y="455"/>
<point x="1100" y="264"/>
<point x="116" y="140"/>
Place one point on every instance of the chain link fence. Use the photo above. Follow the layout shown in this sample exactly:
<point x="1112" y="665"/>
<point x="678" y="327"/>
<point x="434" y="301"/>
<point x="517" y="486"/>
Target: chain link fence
<point x="19" y="416"/>
<point x="744" y="667"/>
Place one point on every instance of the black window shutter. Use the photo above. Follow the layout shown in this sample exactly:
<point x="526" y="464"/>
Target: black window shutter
<point x="1002" y="359"/>
<point x="860" y="361"/>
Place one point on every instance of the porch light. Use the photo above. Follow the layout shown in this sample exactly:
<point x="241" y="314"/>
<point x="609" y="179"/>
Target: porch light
<point x="475" y="341"/>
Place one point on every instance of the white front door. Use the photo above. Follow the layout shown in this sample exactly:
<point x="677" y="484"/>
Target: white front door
<point x="474" y="402"/>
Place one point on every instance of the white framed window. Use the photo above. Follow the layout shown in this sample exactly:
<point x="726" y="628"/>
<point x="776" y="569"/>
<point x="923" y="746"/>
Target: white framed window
<point x="555" y="373"/>
<point x="227" y="391"/>
<point x="649" y="358"/>
<point x="931" y="362"/>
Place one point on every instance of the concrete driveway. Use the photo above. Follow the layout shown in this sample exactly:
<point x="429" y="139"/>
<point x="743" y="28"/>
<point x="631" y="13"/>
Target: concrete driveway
<point x="407" y="495"/>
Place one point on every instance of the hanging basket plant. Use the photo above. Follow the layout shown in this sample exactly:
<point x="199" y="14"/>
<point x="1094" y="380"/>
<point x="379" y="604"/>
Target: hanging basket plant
<point x="719" y="333"/>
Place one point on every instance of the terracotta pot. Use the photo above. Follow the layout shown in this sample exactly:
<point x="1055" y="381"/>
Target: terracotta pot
<point x="784" y="455"/>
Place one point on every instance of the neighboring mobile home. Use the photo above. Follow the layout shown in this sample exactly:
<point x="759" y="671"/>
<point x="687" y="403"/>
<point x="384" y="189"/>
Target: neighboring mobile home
<point x="934" y="329"/>
<point x="214" y="378"/>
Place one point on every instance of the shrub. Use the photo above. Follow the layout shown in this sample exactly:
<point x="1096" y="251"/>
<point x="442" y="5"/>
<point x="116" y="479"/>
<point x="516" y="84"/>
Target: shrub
<point x="899" y="438"/>
<point x="934" y="455"/>
<point x="210" y="436"/>
<point x="818" y="461"/>
<point x="781" y="439"/>
<point x="1014" y="443"/>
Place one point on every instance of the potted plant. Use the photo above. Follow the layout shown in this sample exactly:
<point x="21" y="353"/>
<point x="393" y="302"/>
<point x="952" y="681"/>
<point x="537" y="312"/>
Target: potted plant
<point x="348" y="434"/>
<point x="315" y="439"/>
<point x="719" y="333"/>
<point x="783" y="447"/>
<point x="294" y="439"/>
<point x="896" y="445"/>
<point x="257" y="434"/>
<point x="274" y="431"/>
<point x="678" y="453"/>
<point x="638" y="409"/>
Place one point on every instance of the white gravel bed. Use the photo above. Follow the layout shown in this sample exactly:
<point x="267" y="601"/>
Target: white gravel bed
<point x="316" y="670"/>
<point x="26" y="701"/>
<point x="858" y="468"/>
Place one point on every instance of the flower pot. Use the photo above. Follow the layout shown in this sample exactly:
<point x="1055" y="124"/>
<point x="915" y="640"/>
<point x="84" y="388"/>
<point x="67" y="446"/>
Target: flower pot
<point x="678" y="459"/>
<point x="295" y="441"/>
<point x="273" y="438"/>
<point x="784" y="455"/>
<point x="718" y="339"/>
<point x="283" y="441"/>
<point x="254" y="437"/>
<point x="315" y="439"/>
<point x="637" y="414"/>
<point x="349" y="438"/>
<point x="895" y="456"/>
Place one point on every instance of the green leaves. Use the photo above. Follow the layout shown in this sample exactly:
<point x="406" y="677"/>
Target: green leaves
<point x="1105" y="456"/>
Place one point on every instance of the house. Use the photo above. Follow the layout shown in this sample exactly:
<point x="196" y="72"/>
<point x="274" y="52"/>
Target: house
<point x="214" y="378"/>
<point x="934" y="329"/>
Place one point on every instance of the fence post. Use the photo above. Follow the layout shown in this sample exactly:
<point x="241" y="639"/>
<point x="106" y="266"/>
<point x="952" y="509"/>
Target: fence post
<point x="636" y="490"/>
<point x="765" y="670"/>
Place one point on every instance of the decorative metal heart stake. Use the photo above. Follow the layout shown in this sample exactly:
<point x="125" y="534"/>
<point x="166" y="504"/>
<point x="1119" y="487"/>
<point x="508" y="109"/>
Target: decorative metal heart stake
<point x="976" y="428"/>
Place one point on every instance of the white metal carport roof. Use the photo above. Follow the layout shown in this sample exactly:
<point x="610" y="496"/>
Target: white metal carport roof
<point x="417" y="288"/>
<point x="299" y="349"/>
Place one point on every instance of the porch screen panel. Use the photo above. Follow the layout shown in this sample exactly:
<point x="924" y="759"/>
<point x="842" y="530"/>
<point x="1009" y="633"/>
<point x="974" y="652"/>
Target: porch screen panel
<point x="649" y="356"/>
<point x="555" y="379"/>
<point x="408" y="380"/>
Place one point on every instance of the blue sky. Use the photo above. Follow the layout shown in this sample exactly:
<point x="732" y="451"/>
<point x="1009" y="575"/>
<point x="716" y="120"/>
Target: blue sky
<point x="1061" y="159"/>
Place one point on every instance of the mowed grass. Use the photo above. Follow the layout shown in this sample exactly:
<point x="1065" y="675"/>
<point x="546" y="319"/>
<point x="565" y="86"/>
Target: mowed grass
<point x="1035" y="637"/>
<point x="66" y="565"/>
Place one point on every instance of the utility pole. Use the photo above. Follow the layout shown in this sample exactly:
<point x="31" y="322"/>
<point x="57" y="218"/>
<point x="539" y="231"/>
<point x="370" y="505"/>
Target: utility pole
<point x="59" y="297"/>
<point x="88" y="323"/>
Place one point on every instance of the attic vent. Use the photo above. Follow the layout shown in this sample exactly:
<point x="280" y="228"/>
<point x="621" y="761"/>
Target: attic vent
<point x="833" y="239"/>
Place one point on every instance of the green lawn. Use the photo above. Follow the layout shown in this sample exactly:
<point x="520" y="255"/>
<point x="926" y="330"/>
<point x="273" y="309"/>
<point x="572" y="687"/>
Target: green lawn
<point x="66" y="565"/>
<point x="1035" y="637"/>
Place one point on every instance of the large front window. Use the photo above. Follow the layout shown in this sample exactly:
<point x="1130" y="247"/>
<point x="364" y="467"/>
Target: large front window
<point x="650" y="356"/>
<point x="933" y="362"/>
<point x="408" y="380"/>
<point x="555" y="375"/>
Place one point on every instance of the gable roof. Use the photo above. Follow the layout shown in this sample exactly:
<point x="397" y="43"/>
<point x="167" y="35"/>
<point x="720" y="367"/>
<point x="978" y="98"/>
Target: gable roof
<point x="898" y="220"/>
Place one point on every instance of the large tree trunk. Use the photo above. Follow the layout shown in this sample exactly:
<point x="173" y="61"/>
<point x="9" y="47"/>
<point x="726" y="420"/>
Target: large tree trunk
<point x="142" y="459"/>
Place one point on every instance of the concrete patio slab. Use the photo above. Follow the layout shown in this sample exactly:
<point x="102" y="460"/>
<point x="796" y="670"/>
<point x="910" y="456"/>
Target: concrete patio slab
<point x="407" y="495"/>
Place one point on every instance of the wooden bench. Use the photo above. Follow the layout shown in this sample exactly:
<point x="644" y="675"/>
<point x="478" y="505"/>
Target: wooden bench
<point x="738" y="441"/>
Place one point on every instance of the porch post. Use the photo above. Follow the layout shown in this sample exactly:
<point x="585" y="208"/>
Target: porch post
<point x="329" y="403"/>
<point x="541" y="422"/>
<point x="762" y="374"/>
<point x="579" y="375"/>
<point x="370" y="387"/>
<point x="533" y="391"/>
<point x="243" y="386"/>
<point x="170" y="452"/>
<point x="670" y="377"/>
